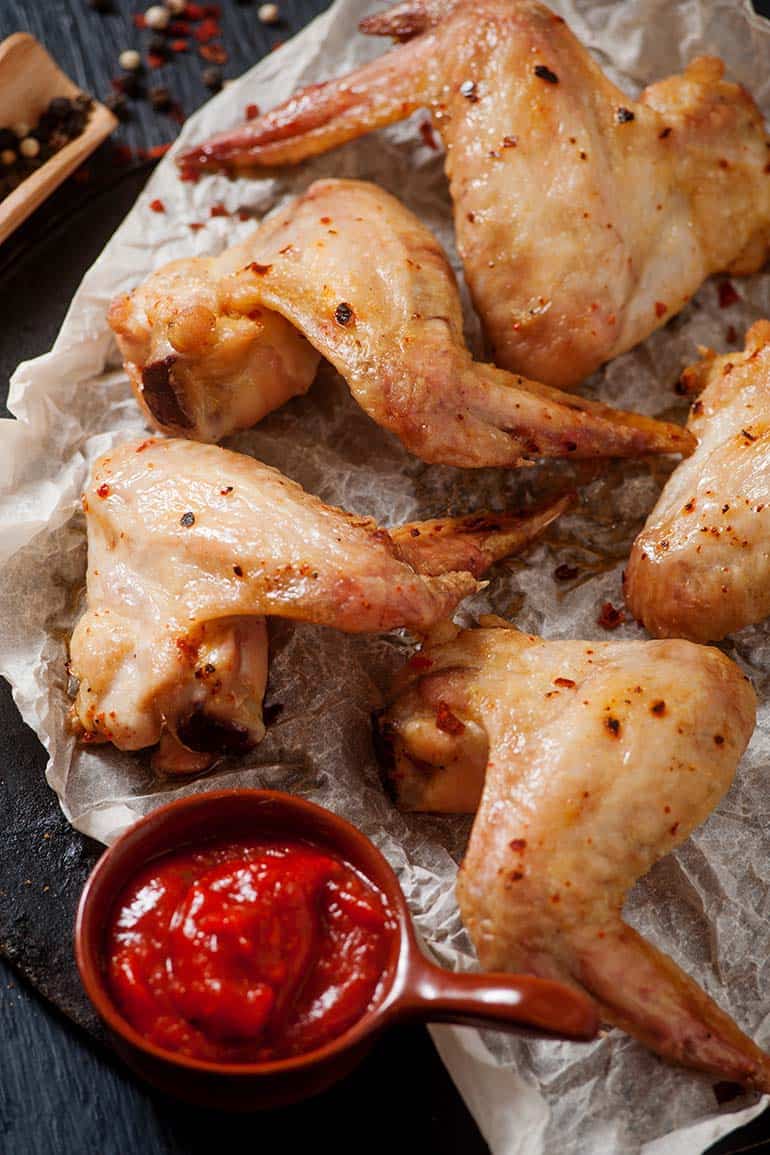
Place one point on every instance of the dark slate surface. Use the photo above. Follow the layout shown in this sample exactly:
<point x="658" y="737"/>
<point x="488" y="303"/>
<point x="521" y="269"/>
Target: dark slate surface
<point x="60" y="1089"/>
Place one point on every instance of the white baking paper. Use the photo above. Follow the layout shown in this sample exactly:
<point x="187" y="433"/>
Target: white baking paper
<point x="708" y="904"/>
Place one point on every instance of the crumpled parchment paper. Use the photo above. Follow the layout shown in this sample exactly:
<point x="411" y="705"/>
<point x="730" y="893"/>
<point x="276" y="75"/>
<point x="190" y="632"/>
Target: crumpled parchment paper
<point x="708" y="904"/>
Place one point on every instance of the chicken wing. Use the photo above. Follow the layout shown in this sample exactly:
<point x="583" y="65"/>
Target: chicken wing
<point x="371" y="289"/>
<point x="584" y="219"/>
<point x="700" y="568"/>
<point x="190" y="547"/>
<point x="588" y="761"/>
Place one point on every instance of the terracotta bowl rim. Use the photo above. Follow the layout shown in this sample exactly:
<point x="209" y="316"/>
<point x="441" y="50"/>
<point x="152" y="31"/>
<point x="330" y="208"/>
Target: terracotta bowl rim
<point x="89" y="961"/>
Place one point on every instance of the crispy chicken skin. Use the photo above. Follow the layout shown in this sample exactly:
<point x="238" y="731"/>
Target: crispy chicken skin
<point x="584" y="219"/>
<point x="191" y="546"/>
<point x="370" y="288"/>
<point x="700" y="568"/>
<point x="588" y="762"/>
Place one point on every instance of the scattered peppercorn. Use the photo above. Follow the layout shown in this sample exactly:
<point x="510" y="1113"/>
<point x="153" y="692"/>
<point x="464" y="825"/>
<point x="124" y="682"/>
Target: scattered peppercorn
<point x="160" y="98"/>
<point x="212" y="78"/>
<point x="624" y="115"/>
<point x="157" y="17"/>
<point x="268" y="14"/>
<point x="187" y="519"/>
<point x="130" y="60"/>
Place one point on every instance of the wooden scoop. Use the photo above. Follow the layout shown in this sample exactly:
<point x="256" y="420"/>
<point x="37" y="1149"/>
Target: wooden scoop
<point x="29" y="80"/>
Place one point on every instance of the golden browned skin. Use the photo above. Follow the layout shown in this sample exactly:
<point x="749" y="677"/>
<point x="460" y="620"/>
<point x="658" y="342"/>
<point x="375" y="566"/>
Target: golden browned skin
<point x="584" y="219"/>
<point x="700" y="568"/>
<point x="370" y="288"/>
<point x="191" y="546"/>
<point x="588" y="762"/>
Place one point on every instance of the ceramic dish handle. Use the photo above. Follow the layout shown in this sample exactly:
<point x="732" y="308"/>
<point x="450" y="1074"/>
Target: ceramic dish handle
<point x="509" y="1002"/>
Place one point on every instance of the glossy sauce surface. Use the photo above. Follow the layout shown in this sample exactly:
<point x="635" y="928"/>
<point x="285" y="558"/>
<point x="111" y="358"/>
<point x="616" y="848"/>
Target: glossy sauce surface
<point x="247" y="951"/>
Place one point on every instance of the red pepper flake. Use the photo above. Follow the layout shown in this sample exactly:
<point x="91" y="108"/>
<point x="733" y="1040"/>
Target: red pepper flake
<point x="158" y="150"/>
<point x="216" y="53"/>
<point x="420" y="662"/>
<point x="179" y="45"/>
<point x="139" y="20"/>
<point x="255" y="267"/>
<point x="157" y="205"/>
<point x="518" y="844"/>
<point x="189" y="174"/>
<point x="568" y="683"/>
<point x="426" y="132"/>
<point x="103" y="490"/>
<point x="206" y="30"/>
<point x="727" y="294"/>
<point x="154" y="60"/>
<point x="218" y="210"/>
<point x="448" y="722"/>
<point x="610" y="618"/>
<point x="196" y="226"/>
<point x="660" y="308"/>
<point x="252" y="111"/>
<point x="244" y="215"/>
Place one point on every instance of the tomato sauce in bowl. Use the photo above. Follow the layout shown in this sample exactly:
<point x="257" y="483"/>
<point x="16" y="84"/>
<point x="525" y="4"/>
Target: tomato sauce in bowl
<point x="247" y="951"/>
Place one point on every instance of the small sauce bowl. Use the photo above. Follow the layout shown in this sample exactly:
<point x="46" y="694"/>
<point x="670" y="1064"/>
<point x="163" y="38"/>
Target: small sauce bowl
<point x="412" y="987"/>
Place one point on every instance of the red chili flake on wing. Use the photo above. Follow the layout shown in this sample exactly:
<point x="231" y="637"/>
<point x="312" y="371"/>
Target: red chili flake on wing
<point x="218" y="210"/>
<point x="610" y="618"/>
<point x="139" y="20"/>
<point x="252" y="111"/>
<point x="420" y="662"/>
<point x="447" y="721"/>
<point x="196" y="226"/>
<point x="103" y="490"/>
<point x="157" y="205"/>
<point x="728" y="294"/>
<point x="660" y="308"/>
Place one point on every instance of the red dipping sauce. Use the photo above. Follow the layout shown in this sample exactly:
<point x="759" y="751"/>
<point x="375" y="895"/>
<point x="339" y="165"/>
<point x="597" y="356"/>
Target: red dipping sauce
<point x="244" y="952"/>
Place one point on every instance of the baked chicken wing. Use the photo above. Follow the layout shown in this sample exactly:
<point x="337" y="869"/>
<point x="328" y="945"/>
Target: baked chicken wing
<point x="584" y="219"/>
<point x="369" y="287"/>
<point x="588" y="762"/>
<point x="700" y="568"/>
<point x="191" y="546"/>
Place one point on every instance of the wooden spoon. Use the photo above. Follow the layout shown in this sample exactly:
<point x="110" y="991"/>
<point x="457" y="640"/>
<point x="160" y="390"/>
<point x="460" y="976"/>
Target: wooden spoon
<point x="29" y="80"/>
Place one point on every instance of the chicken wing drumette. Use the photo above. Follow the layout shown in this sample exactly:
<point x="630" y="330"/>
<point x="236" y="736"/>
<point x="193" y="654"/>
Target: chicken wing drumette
<point x="190" y="547"/>
<point x="588" y="762"/>
<point x="370" y="288"/>
<point x="700" y="568"/>
<point x="584" y="219"/>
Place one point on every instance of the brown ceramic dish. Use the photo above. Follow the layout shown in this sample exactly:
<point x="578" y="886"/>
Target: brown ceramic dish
<point x="412" y="988"/>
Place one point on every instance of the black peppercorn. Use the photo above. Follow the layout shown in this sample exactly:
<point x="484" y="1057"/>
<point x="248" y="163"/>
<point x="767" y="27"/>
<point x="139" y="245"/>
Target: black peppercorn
<point x="343" y="314"/>
<point x="624" y="115"/>
<point x="116" y="102"/>
<point x="545" y="73"/>
<point x="187" y="519"/>
<point x="160" y="97"/>
<point x="212" y="78"/>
